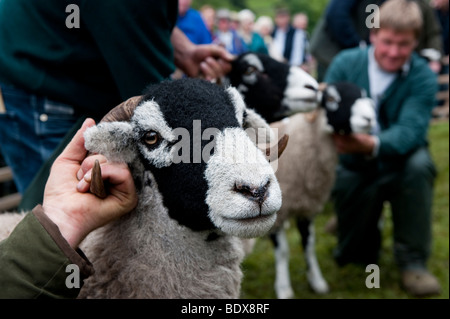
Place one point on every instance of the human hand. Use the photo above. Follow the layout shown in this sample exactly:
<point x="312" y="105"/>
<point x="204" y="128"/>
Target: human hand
<point x="67" y="201"/>
<point x="357" y="143"/>
<point x="435" y="66"/>
<point x="210" y="61"/>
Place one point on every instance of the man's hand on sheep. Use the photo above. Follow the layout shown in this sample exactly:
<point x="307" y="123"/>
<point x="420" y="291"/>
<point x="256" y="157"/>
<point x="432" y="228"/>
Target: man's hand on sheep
<point x="67" y="201"/>
<point x="209" y="61"/>
<point x="359" y="143"/>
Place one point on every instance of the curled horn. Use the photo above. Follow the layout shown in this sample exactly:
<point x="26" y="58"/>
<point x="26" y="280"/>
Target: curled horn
<point x="276" y="150"/>
<point x="97" y="186"/>
<point x="122" y="112"/>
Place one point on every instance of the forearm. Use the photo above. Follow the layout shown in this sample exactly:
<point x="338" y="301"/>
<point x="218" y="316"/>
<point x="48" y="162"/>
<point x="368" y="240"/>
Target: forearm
<point x="182" y="47"/>
<point x="33" y="261"/>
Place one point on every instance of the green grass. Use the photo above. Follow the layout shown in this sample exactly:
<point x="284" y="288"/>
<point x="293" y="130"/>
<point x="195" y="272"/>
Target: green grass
<point x="349" y="282"/>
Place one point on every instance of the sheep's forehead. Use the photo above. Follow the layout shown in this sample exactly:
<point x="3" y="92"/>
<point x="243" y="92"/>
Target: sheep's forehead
<point x="149" y="115"/>
<point x="253" y="60"/>
<point x="333" y="98"/>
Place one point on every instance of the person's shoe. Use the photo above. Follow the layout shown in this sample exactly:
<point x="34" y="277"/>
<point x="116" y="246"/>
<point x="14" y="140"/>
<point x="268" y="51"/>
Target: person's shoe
<point x="420" y="283"/>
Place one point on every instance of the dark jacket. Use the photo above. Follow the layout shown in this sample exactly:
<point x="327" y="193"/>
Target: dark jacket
<point x="289" y="42"/>
<point x="119" y="48"/>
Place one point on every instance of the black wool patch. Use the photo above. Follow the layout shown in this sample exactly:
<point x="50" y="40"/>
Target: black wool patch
<point x="183" y="185"/>
<point x="339" y="119"/>
<point x="266" y="94"/>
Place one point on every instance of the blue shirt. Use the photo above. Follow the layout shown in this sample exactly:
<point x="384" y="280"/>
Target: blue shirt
<point x="194" y="27"/>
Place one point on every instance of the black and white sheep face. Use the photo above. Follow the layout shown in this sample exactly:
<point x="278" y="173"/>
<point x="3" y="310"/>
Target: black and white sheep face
<point x="188" y="138"/>
<point x="273" y="89"/>
<point x="348" y="109"/>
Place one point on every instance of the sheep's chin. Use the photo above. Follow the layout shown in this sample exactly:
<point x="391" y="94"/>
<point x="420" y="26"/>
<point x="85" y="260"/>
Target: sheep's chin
<point x="249" y="227"/>
<point x="291" y="107"/>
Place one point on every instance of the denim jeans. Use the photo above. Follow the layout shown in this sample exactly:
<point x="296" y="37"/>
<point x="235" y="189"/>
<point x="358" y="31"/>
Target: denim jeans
<point x="30" y="129"/>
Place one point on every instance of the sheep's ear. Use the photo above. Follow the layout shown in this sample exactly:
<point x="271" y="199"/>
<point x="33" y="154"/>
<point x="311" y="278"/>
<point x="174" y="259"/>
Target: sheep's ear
<point x="113" y="140"/>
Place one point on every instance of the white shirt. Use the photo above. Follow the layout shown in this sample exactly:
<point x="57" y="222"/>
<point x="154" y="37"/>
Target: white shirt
<point x="298" y="48"/>
<point x="379" y="82"/>
<point x="278" y="43"/>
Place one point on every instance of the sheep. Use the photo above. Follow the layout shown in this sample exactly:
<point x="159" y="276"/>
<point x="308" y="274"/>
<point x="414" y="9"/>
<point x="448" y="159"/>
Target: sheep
<point x="182" y="240"/>
<point x="273" y="89"/>
<point x="306" y="172"/>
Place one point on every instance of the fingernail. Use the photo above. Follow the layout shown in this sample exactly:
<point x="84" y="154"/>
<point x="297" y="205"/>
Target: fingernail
<point x="88" y="177"/>
<point x="81" y="185"/>
<point x="80" y="174"/>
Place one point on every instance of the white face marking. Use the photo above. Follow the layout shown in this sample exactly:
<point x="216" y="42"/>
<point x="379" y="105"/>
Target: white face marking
<point x="334" y="98"/>
<point x="238" y="103"/>
<point x="253" y="61"/>
<point x="237" y="161"/>
<point x="363" y="117"/>
<point x="297" y="97"/>
<point x="242" y="88"/>
<point x="148" y="117"/>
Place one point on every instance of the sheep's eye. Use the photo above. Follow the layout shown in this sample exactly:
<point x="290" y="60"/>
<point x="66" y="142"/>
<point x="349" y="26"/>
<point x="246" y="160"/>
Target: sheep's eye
<point x="151" y="137"/>
<point x="331" y="99"/>
<point x="250" y="70"/>
<point x="310" y="87"/>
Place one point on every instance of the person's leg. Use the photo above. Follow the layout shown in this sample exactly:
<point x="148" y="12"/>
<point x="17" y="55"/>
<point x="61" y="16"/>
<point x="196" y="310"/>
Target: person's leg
<point x="411" y="203"/>
<point x="30" y="129"/>
<point x="358" y="206"/>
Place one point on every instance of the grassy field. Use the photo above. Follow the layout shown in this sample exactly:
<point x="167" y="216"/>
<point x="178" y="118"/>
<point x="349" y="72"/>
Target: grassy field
<point x="349" y="282"/>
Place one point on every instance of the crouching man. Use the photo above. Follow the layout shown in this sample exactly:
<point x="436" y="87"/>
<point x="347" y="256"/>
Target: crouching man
<point x="392" y="165"/>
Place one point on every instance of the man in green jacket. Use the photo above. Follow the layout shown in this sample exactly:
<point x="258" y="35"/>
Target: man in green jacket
<point x="393" y="164"/>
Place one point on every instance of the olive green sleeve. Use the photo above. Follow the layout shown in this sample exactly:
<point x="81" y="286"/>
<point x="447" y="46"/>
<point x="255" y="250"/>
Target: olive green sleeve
<point x="34" y="261"/>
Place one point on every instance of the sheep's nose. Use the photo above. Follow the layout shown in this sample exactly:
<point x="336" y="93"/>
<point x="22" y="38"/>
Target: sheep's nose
<point x="258" y="194"/>
<point x="368" y="119"/>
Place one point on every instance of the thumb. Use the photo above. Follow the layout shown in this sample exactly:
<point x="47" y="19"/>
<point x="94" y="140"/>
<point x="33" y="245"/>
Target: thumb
<point x="75" y="150"/>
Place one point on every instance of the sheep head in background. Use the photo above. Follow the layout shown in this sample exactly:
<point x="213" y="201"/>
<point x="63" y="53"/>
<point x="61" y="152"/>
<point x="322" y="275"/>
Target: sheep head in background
<point x="274" y="89"/>
<point x="222" y="181"/>
<point x="348" y="109"/>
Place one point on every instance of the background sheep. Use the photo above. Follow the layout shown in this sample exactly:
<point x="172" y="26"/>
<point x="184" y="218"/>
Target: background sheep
<point x="306" y="173"/>
<point x="274" y="89"/>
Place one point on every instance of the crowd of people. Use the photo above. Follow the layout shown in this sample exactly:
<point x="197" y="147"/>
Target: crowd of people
<point x="52" y="78"/>
<point x="285" y="37"/>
